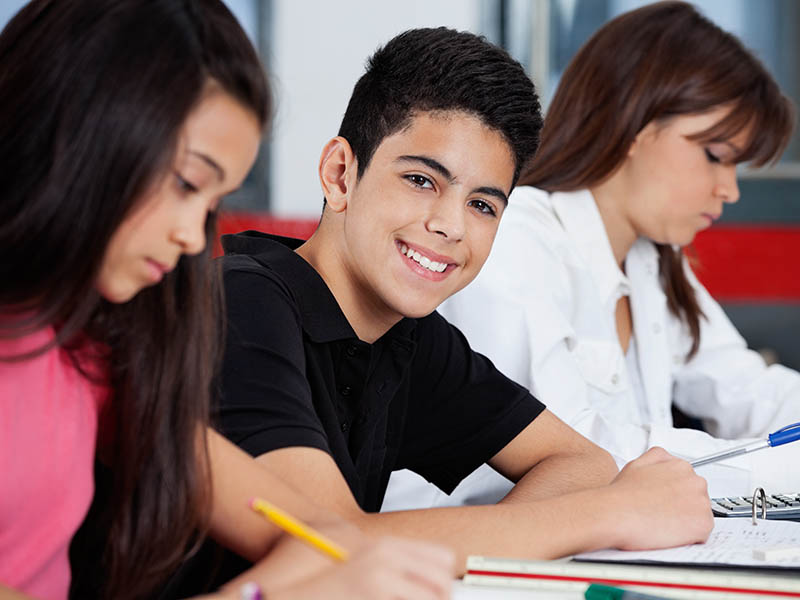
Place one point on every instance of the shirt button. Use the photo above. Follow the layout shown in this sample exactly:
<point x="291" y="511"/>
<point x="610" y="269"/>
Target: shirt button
<point x="656" y="328"/>
<point x="344" y="427"/>
<point x="650" y="269"/>
<point x="614" y="379"/>
<point x="345" y="390"/>
<point x="351" y="350"/>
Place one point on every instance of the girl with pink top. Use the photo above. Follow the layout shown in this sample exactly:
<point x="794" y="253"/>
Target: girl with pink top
<point x="122" y="125"/>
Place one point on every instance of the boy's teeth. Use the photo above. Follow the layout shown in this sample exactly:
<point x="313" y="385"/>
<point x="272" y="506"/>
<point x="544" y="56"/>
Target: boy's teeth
<point x="426" y="262"/>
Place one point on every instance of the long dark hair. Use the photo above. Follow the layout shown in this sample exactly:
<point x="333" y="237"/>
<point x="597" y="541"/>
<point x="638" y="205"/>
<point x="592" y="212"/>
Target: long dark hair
<point x="661" y="60"/>
<point x="93" y="95"/>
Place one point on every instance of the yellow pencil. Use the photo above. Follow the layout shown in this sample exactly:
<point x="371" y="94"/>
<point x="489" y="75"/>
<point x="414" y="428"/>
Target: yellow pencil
<point x="298" y="529"/>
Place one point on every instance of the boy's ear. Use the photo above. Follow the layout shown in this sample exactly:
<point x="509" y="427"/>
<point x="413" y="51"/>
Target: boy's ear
<point x="338" y="170"/>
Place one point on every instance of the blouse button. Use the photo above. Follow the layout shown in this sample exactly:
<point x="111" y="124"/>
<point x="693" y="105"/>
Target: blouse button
<point x="614" y="379"/>
<point x="656" y="328"/>
<point x="344" y="427"/>
<point x="351" y="350"/>
<point x="345" y="390"/>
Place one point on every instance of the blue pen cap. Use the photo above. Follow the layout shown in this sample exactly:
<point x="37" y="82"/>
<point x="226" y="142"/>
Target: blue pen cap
<point x="785" y="435"/>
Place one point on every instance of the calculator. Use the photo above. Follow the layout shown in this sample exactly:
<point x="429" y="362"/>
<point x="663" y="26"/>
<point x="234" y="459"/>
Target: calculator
<point x="779" y="506"/>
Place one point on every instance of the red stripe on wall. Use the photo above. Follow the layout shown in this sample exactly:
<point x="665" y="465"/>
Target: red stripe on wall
<point x="297" y="228"/>
<point x="235" y="222"/>
<point x="748" y="263"/>
<point x="737" y="263"/>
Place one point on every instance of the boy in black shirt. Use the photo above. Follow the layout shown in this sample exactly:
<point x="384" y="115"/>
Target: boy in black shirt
<point x="338" y="370"/>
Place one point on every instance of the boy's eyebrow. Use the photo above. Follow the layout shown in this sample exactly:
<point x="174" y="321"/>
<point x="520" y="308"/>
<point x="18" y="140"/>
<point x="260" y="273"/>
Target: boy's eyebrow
<point x="445" y="172"/>
<point x="211" y="163"/>
<point x="431" y="162"/>
<point x="492" y="191"/>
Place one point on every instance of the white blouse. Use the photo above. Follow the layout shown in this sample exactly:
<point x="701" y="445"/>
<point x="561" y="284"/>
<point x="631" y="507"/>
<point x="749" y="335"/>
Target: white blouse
<point x="543" y="310"/>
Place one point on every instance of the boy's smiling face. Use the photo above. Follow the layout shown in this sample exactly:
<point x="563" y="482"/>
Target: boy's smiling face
<point x="419" y="223"/>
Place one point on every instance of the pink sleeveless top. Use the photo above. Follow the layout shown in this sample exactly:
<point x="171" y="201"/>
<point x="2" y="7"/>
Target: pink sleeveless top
<point x="48" y="429"/>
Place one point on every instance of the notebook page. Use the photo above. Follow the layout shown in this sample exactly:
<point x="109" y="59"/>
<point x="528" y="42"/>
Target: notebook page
<point x="731" y="543"/>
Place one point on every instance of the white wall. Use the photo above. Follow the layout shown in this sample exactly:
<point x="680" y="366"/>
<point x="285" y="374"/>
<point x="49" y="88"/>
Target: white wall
<point x="8" y="8"/>
<point x="319" y="51"/>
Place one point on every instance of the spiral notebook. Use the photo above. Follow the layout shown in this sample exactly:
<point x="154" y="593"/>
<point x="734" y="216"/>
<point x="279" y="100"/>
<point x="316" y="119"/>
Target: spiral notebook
<point x="689" y="572"/>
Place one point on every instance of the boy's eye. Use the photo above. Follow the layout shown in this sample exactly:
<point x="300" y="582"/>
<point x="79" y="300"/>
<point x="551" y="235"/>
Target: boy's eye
<point x="712" y="158"/>
<point x="483" y="207"/>
<point x="420" y="181"/>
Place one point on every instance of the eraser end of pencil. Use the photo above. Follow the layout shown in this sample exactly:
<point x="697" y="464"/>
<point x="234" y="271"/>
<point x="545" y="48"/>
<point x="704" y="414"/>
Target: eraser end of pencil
<point x="777" y="552"/>
<point x="252" y="503"/>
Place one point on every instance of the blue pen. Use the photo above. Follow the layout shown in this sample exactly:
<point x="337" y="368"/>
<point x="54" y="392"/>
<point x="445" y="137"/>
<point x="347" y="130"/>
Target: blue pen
<point x="597" y="591"/>
<point x="790" y="433"/>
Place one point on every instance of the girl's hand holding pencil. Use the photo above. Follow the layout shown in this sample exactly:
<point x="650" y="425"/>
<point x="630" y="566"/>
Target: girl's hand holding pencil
<point x="379" y="569"/>
<point x="299" y="530"/>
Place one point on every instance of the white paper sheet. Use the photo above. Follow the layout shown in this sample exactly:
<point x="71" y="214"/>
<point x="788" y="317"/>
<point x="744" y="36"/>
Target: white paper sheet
<point x="731" y="543"/>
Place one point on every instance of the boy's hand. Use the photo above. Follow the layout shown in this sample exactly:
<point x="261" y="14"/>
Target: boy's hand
<point x="661" y="502"/>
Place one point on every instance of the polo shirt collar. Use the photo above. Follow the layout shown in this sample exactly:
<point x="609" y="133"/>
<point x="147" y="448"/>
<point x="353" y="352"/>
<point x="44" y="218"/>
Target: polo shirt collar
<point x="582" y="222"/>
<point x="323" y="319"/>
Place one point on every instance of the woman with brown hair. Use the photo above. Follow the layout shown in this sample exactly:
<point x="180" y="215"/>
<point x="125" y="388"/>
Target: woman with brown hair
<point x="587" y="298"/>
<point x="122" y="125"/>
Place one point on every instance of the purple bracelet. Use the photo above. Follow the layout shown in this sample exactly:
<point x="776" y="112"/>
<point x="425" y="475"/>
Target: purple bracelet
<point x="251" y="591"/>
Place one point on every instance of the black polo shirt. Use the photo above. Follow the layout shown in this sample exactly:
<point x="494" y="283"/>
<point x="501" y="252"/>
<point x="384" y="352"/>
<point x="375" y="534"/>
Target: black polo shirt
<point x="295" y="374"/>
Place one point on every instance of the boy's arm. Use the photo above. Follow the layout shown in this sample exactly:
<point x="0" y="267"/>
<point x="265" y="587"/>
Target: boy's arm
<point x="656" y="501"/>
<point x="549" y="458"/>
<point x="236" y="478"/>
<point x="292" y="569"/>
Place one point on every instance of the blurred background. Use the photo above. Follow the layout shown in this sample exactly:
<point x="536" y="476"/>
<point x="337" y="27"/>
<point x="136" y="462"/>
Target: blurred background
<point x="314" y="51"/>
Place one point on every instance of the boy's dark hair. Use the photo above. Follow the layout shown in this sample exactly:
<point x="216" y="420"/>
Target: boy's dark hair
<point x="442" y="69"/>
